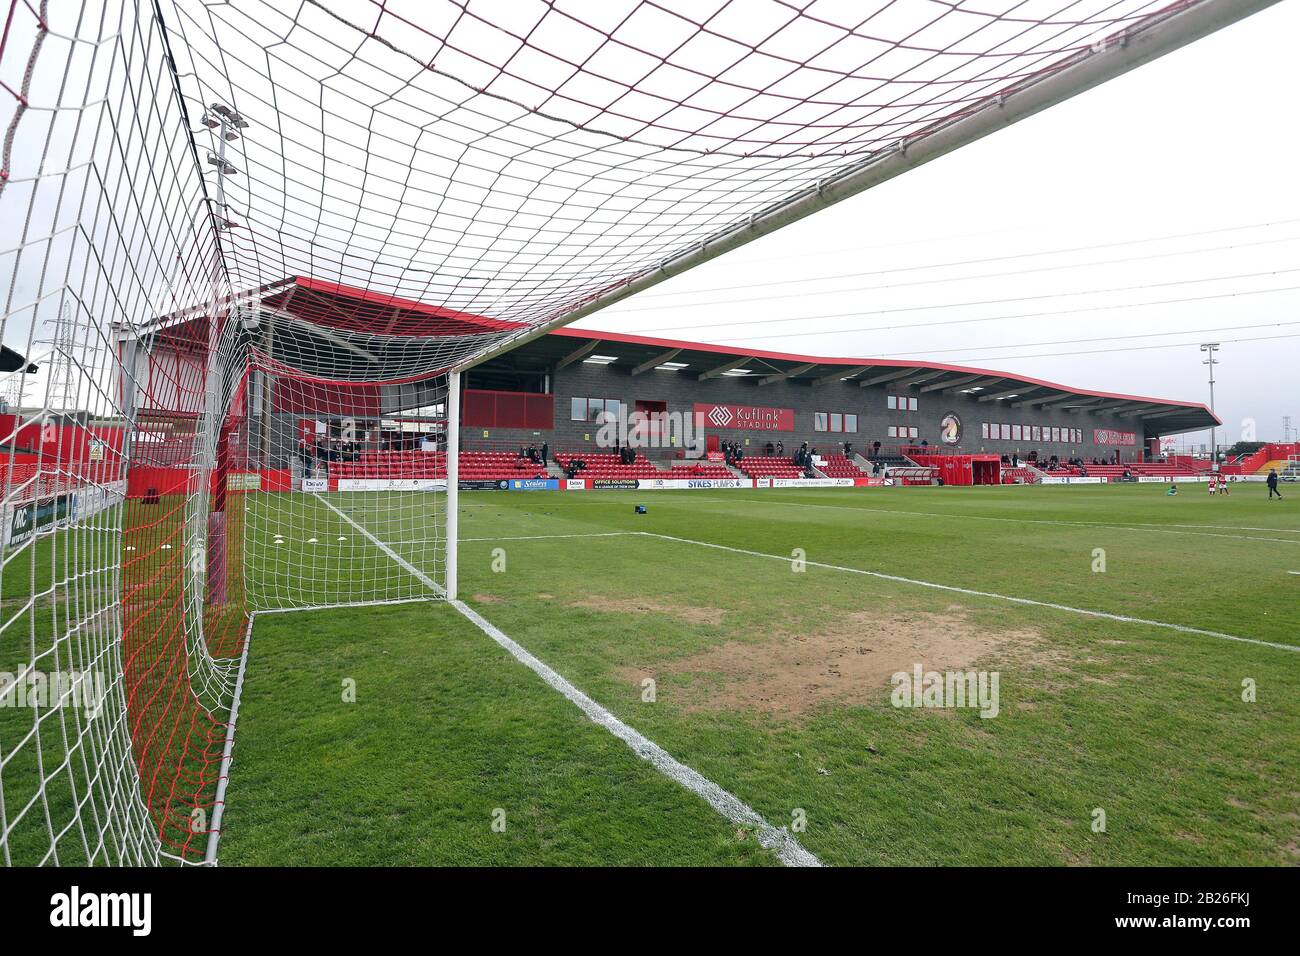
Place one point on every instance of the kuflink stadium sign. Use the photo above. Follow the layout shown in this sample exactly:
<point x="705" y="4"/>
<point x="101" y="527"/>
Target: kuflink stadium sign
<point x="755" y="418"/>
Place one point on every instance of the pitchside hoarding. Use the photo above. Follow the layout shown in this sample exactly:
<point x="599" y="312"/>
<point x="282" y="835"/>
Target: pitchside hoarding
<point x="534" y="484"/>
<point x="391" y="484"/>
<point x="813" y="482"/>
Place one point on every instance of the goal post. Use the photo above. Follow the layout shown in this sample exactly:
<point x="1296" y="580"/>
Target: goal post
<point x="453" y="481"/>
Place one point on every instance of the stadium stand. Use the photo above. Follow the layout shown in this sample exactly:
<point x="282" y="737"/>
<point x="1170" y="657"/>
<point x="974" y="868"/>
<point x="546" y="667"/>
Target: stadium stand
<point x="711" y="469"/>
<point x="770" y="468"/>
<point x="497" y="466"/>
<point x="474" y="466"/>
<point x="837" y="466"/>
<point x="1022" y="475"/>
<point x="609" y="466"/>
<point x="391" y="464"/>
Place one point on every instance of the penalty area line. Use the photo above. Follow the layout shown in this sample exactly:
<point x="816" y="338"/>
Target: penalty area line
<point x="788" y="850"/>
<point x="1105" y="615"/>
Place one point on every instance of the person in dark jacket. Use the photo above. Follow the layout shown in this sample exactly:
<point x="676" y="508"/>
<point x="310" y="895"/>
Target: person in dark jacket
<point x="546" y="452"/>
<point x="1272" y="484"/>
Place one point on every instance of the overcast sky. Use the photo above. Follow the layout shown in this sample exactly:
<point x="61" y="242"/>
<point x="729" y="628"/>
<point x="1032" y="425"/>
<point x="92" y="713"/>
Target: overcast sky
<point x="1192" y="146"/>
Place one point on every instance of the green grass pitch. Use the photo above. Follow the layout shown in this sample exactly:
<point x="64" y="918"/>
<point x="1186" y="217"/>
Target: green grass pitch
<point x="772" y="680"/>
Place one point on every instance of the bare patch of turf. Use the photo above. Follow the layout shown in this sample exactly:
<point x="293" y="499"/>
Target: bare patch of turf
<point x="849" y="663"/>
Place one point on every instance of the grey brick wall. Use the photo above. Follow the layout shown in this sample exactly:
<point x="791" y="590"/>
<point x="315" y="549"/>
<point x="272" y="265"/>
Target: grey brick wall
<point x="681" y="390"/>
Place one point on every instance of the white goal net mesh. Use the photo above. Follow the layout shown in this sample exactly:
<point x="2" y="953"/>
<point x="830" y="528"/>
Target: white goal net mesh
<point x="243" y="244"/>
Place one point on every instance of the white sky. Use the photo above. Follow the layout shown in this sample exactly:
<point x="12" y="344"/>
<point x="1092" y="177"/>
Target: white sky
<point x="1203" y="139"/>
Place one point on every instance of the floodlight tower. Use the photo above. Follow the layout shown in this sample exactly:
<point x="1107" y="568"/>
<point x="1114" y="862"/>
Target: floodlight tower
<point x="14" y="391"/>
<point x="61" y="392"/>
<point x="1210" y="348"/>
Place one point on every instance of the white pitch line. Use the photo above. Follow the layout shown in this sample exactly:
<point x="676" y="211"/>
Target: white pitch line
<point x="1182" y="628"/>
<point x="407" y="565"/>
<point x="1154" y="529"/>
<point x="1224" y="527"/>
<point x="547" y="537"/>
<point x="788" y="849"/>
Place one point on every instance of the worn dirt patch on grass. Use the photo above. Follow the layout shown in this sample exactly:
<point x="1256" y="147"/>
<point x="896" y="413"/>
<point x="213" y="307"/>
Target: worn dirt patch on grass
<point x="485" y="599"/>
<point x="849" y="663"/>
<point x="682" y="612"/>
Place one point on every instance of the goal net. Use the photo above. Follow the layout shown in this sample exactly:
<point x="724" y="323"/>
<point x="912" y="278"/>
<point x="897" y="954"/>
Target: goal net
<point x="353" y="508"/>
<point x="247" y="248"/>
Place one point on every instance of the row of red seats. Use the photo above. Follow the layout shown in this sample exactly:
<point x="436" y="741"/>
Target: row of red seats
<point x="1011" y="476"/>
<point x="770" y="468"/>
<point x="497" y="466"/>
<point x="837" y="466"/>
<point x="702" y="470"/>
<point x="610" y="466"/>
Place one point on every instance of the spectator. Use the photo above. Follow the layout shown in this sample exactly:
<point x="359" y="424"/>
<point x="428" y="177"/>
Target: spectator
<point x="546" y="452"/>
<point x="769" y="450"/>
<point x="780" y="449"/>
